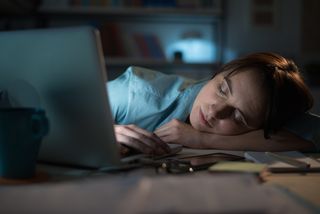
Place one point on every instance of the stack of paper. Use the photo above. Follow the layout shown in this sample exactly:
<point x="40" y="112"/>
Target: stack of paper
<point x="292" y="161"/>
<point x="237" y="166"/>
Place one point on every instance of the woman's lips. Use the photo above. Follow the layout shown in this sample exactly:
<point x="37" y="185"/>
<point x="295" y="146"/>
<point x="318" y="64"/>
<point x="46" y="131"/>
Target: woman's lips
<point x="203" y="119"/>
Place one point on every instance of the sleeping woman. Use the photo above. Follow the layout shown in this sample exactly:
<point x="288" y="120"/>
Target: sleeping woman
<point x="259" y="102"/>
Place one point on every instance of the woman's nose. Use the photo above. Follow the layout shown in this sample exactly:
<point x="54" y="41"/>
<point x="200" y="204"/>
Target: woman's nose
<point x="220" y="111"/>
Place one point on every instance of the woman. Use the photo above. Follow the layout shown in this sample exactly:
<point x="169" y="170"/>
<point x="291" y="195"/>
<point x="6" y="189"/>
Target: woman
<point x="252" y="103"/>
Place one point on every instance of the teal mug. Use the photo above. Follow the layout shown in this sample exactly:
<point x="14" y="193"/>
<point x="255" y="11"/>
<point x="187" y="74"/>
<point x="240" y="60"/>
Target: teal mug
<point x="21" y="133"/>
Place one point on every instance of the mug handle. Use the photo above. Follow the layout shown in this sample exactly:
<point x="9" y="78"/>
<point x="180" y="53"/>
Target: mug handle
<point x="40" y="126"/>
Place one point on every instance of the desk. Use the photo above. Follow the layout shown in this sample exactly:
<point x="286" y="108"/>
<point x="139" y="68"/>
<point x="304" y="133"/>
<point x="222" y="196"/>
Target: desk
<point x="144" y="191"/>
<point x="305" y="185"/>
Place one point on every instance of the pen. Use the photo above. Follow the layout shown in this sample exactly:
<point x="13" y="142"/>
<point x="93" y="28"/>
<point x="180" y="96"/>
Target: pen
<point x="288" y="160"/>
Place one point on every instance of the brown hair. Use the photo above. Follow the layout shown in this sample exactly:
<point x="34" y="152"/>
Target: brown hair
<point x="287" y="93"/>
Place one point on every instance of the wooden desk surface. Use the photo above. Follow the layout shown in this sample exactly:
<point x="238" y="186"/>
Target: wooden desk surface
<point x="145" y="190"/>
<point x="304" y="185"/>
<point x="142" y="191"/>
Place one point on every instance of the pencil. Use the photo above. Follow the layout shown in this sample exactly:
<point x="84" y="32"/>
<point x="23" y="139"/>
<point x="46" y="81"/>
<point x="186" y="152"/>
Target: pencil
<point x="288" y="160"/>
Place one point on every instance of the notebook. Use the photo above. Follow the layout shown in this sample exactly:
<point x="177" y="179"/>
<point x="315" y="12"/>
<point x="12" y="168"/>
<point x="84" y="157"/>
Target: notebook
<point x="66" y="68"/>
<point x="282" y="161"/>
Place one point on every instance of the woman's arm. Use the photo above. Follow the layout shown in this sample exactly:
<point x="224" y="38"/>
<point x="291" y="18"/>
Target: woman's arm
<point x="254" y="141"/>
<point x="182" y="133"/>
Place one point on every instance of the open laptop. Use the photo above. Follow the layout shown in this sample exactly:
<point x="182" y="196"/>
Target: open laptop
<point x="66" y="69"/>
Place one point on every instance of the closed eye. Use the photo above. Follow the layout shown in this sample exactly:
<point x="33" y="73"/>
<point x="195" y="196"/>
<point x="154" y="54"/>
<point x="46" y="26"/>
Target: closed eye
<point x="223" y="89"/>
<point x="239" y="118"/>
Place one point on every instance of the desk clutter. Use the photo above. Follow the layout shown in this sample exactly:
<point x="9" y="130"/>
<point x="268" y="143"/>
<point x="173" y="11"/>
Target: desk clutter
<point x="292" y="161"/>
<point x="229" y="184"/>
<point x="190" y="160"/>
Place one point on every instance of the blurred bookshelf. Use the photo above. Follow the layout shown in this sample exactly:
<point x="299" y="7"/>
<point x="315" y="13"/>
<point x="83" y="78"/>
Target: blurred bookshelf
<point x="190" y="70"/>
<point x="144" y="32"/>
<point x="200" y="8"/>
<point x="182" y="14"/>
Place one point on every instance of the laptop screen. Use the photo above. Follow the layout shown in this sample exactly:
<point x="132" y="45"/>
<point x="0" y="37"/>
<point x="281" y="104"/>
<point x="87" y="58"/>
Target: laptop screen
<point x="66" y="69"/>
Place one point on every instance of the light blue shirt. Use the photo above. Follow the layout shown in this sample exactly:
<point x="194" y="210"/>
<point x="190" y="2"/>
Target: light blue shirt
<point x="150" y="99"/>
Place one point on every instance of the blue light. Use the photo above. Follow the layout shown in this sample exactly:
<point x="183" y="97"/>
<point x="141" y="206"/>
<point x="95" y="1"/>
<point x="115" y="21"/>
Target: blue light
<point x="229" y="55"/>
<point x="193" y="50"/>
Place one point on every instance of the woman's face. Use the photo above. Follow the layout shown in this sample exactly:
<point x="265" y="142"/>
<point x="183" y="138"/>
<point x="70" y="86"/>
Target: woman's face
<point x="230" y="105"/>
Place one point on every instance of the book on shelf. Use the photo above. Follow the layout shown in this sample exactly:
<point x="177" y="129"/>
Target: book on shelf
<point x="154" y="45"/>
<point x="90" y="2"/>
<point x="172" y="3"/>
<point x="112" y="42"/>
<point x="141" y="3"/>
<point x="149" y="45"/>
<point x="142" y="45"/>
<point x="131" y="47"/>
<point x="119" y="44"/>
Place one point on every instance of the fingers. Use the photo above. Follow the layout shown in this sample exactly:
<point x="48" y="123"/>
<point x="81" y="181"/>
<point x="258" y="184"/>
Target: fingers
<point x="166" y="131"/>
<point x="134" y="143"/>
<point x="140" y="139"/>
<point x="163" y="133"/>
<point x="151" y="136"/>
<point x="123" y="149"/>
<point x="170" y="125"/>
<point x="174" y="131"/>
<point x="166" y="136"/>
<point x="162" y="130"/>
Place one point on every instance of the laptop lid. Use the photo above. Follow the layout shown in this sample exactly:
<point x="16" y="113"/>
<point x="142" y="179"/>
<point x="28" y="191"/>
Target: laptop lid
<point x="66" y="69"/>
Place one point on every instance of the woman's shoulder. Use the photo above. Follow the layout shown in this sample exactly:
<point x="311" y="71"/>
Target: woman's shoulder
<point x="139" y="79"/>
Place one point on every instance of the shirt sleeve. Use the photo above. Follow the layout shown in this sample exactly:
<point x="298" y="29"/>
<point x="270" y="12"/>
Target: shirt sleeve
<point x="306" y="126"/>
<point x="118" y="91"/>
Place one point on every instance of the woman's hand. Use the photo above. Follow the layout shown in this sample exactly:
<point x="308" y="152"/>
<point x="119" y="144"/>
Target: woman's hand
<point x="139" y="139"/>
<point x="180" y="133"/>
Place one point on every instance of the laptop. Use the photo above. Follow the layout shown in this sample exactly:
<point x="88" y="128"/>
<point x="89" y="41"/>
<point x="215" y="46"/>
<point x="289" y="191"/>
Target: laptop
<point x="62" y="70"/>
<point x="66" y="69"/>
